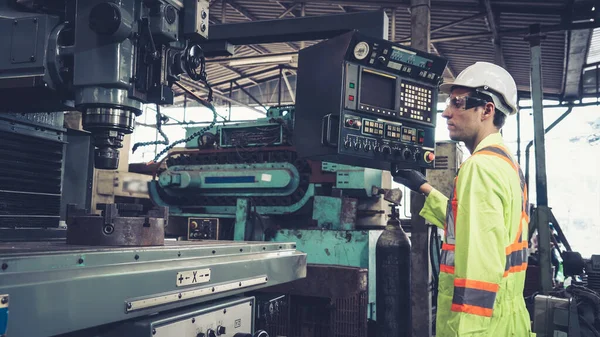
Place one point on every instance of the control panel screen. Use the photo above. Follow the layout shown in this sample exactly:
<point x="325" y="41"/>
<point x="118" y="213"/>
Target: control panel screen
<point x="410" y="57"/>
<point x="378" y="90"/>
<point x="415" y="102"/>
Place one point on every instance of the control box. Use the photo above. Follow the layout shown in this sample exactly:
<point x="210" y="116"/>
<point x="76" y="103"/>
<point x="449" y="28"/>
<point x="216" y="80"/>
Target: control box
<point x="372" y="103"/>
<point x="226" y="318"/>
<point x="203" y="229"/>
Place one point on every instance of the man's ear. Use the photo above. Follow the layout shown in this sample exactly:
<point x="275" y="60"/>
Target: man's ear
<point x="488" y="111"/>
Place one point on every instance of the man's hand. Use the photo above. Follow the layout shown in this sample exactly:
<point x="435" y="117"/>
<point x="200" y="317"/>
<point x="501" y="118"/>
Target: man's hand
<point x="410" y="178"/>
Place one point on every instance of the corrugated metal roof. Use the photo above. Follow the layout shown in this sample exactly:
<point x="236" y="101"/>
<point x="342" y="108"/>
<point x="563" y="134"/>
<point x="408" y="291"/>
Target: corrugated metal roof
<point x="515" y="14"/>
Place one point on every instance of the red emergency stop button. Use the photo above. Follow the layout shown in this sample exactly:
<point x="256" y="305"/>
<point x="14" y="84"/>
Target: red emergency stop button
<point x="429" y="156"/>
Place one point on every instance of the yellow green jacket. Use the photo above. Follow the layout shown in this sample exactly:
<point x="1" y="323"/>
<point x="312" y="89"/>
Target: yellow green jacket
<point x="484" y="255"/>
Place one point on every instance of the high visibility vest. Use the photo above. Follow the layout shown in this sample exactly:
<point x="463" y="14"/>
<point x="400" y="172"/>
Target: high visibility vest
<point x="517" y="252"/>
<point x="471" y="303"/>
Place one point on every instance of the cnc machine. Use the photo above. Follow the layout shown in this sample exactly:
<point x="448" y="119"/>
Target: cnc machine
<point x="115" y="274"/>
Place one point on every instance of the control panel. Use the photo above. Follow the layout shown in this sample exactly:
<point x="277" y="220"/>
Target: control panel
<point x="203" y="229"/>
<point x="385" y="140"/>
<point x="387" y="115"/>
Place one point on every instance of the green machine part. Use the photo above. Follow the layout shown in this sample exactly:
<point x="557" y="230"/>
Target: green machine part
<point x="354" y="248"/>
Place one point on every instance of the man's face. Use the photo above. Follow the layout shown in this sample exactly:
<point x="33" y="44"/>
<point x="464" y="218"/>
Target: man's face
<point x="463" y="124"/>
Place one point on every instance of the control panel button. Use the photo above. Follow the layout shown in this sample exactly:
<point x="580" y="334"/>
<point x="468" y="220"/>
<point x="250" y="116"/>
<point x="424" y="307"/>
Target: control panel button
<point x="351" y="85"/>
<point x="429" y="156"/>
<point x="351" y="97"/>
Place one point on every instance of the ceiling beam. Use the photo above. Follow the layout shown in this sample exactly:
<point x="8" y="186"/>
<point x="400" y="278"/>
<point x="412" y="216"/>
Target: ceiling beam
<point x="372" y="23"/>
<point x="449" y="25"/>
<point x="288" y="10"/>
<point x="578" y="42"/>
<point x="493" y="28"/>
<point x="213" y="19"/>
<point x="546" y="8"/>
<point x="248" y="15"/>
<point x="519" y="31"/>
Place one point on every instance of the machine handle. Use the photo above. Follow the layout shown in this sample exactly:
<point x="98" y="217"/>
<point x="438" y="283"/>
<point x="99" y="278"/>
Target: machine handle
<point x="327" y="137"/>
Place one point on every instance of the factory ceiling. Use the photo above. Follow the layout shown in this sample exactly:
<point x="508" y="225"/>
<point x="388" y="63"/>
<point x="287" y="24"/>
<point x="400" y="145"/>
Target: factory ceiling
<point x="463" y="31"/>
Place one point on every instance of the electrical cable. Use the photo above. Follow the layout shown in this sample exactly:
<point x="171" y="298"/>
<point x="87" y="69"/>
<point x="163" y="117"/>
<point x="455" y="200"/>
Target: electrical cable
<point x="159" y="119"/>
<point x="434" y="259"/>
<point x="195" y="134"/>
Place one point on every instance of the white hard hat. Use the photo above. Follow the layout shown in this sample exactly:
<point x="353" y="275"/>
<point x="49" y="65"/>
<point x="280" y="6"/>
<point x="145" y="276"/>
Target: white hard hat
<point x="489" y="79"/>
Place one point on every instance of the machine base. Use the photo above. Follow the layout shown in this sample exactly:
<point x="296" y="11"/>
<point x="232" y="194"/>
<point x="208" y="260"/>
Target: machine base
<point x="65" y="288"/>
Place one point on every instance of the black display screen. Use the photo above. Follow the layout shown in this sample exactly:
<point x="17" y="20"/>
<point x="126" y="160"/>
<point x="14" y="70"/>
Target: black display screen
<point x="378" y="90"/>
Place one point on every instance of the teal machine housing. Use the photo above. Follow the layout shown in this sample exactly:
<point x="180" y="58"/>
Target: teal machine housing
<point x="246" y="179"/>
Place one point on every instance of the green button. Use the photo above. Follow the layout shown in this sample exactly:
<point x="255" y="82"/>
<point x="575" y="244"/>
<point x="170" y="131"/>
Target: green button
<point x="351" y="85"/>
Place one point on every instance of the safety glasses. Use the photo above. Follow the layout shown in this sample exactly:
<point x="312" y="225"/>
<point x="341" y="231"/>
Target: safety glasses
<point x="464" y="102"/>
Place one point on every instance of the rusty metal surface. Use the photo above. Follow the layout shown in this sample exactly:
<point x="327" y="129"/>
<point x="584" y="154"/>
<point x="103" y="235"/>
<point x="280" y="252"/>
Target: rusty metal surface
<point x="113" y="229"/>
<point x="327" y="281"/>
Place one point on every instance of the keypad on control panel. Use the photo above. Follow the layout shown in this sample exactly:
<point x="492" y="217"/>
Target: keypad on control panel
<point x="372" y="127"/>
<point x="416" y="102"/>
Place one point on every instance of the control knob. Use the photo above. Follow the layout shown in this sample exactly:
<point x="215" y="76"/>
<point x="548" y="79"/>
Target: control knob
<point x="357" y="146"/>
<point x="211" y="333"/>
<point x="367" y="147"/>
<point x="386" y="150"/>
<point x="377" y="148"/>
<point x="347" y="143"/>
<point x="417" y="155"/>
<point x="220" y="330"/>
<point x="407" y="154"/>
<point x="381" y="59"/>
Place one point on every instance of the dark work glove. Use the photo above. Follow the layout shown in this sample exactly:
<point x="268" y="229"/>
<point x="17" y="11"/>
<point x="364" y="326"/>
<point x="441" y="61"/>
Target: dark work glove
<point x="410" y="178"/>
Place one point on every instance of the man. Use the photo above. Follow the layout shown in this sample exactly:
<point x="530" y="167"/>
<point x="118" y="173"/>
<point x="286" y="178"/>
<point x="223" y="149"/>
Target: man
<point x="484" y="255"/>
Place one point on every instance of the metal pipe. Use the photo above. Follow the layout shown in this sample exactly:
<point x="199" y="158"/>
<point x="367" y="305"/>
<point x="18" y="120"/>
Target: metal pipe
<point x="279" y="86"/>
<point x="528" y="147"/>
<point x="393" y="30"/>
<point x="223" y="11"/>
<point x="289" y="87"/>
<point x="184" y="105"/>
<point x="302" y="14"/>
<point x="229" y="59"/>
<point x="230" y="95"/>
<point x="421" y="314"/>
<point x="543" y="210"/>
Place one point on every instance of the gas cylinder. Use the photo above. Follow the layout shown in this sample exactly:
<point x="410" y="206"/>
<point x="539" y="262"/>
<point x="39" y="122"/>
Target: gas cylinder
<point x="393" y="280"/>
